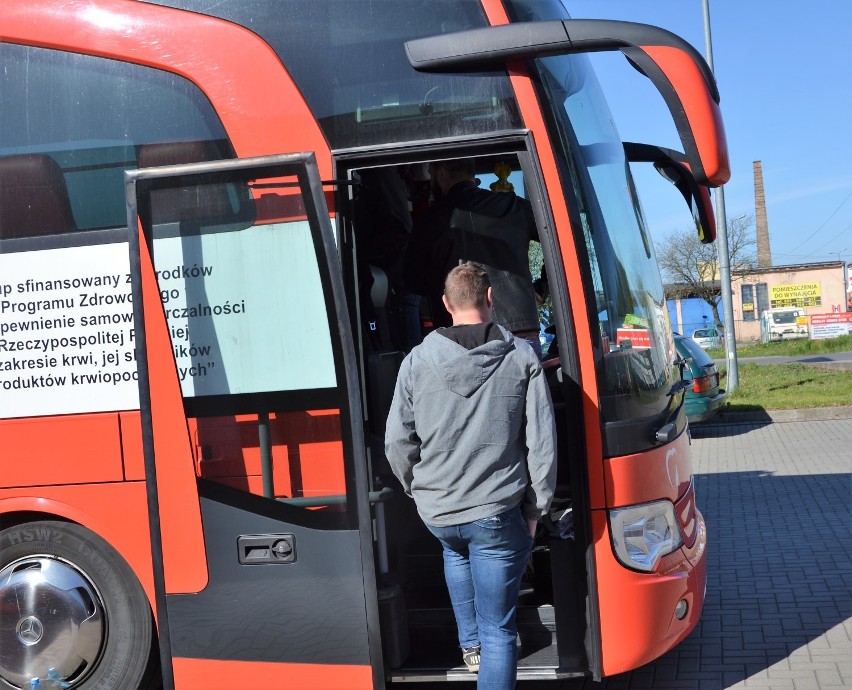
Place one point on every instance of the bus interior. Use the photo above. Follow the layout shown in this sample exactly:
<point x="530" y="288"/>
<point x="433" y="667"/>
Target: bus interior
<point x="419" y="634"/>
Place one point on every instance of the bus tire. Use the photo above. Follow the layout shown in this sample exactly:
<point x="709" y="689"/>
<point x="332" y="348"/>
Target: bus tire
<point x="85" y="594"/>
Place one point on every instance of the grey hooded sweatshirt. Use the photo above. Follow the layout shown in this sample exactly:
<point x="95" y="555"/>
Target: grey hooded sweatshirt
<point x="470" y="433"/>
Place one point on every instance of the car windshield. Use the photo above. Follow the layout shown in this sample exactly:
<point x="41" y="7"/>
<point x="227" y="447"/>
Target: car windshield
<point x="706" y="333"/>
<point x="699" y="356"/>
<point x="784" y="317"/>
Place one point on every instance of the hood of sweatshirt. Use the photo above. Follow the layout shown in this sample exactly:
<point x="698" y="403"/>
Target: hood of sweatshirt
<point x="465" y="371"/>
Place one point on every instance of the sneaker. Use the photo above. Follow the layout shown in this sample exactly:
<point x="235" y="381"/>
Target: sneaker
<point x="471" y="658"/>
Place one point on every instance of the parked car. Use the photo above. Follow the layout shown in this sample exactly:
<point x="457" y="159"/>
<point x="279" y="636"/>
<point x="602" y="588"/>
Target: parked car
<point x="703" y="397"/>
<point x="708" y="338"/>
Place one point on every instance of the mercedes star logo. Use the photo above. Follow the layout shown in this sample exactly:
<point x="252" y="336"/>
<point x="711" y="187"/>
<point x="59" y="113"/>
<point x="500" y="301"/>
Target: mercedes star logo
<point x="30" y="630"/>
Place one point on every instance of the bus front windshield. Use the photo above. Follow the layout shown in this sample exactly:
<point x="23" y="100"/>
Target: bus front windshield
<point x="636" y="344"/>
<point x="633" y="333"/>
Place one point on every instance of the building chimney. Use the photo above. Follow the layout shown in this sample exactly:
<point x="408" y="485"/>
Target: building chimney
<point x="764" y="255"/>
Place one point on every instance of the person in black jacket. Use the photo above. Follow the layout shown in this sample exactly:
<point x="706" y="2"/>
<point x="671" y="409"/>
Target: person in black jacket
<point x="383" y="231"/>
<point x="469" y="223"/>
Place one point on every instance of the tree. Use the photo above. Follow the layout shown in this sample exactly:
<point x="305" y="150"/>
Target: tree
<point x="545" y="307"/>
<point x="691" y="269"/>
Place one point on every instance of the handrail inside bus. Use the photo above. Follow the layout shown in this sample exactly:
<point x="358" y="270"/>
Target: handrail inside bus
<point x="375" y="497"/>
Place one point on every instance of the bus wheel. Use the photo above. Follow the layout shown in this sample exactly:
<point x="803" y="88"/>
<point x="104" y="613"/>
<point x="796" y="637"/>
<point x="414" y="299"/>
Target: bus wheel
<point x="71" y="611"/>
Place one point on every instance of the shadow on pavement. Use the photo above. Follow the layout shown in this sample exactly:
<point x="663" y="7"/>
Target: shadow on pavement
<point x="730" y="425"/>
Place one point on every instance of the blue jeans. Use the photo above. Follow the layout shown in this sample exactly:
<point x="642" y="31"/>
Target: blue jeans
<point x="483" y="564"/>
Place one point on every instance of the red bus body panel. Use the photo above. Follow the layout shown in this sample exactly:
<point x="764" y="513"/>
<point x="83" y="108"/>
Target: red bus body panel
<point x="637" y="606"/>
<point x="663" y="472"/>
<point x="72" y="449"/>
<point x="637" y="609"/>
<point x="201" y="674"/>
<point x="99" y="508"/>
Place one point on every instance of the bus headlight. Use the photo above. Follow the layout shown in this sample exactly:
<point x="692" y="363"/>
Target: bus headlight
<point x="642" y="534"/>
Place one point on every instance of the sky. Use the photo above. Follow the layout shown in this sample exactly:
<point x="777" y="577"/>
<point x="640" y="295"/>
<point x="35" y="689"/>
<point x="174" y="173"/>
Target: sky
<point x="784" y="72"/>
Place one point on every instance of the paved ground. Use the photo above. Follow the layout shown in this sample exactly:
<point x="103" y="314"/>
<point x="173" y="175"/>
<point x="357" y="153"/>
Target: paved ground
<point x="777" y="498"/>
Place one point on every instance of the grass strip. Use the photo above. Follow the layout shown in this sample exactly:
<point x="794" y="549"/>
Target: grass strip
<point x="790" y="348"/>
<point x="788" y="386"/>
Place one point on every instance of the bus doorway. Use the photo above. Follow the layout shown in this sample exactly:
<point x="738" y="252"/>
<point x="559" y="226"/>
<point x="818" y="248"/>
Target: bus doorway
<point x="397" y="243"/>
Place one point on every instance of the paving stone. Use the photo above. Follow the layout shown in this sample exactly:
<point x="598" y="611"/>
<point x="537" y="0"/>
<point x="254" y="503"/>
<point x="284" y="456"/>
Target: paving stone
<point x="778" y="610"/>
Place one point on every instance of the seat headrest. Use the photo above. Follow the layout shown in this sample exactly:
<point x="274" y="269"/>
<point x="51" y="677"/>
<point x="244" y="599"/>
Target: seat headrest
<point x="188" y="203"/>
<point x="33" y="197"/>
<point x="176" y="152"/>
<point x="379" y="289"/>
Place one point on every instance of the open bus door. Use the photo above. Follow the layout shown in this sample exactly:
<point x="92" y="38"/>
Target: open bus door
<point x="246" y="368"/>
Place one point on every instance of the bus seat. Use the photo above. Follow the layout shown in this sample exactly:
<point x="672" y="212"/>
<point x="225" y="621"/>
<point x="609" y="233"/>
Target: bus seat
<point x="379" y="288"/>
<point x="383" y="368"/>
<point x="222" y="201"/>
<point x="33" y="197"/>
<point x="382" y="364"/>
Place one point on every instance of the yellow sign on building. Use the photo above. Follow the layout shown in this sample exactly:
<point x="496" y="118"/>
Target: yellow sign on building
<point x="796" y="295"/>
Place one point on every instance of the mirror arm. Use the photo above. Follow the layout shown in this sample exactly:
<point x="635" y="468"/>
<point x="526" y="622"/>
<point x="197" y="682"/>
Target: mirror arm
<point x="670" y="163"/>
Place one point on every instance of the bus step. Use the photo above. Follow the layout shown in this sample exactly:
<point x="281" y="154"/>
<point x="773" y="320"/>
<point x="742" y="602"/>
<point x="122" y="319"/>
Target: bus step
<point x="405" y="675"/>
<point x="434" y="645"/>
<point x="435" y="656"/>
<point x="529" y="618"/>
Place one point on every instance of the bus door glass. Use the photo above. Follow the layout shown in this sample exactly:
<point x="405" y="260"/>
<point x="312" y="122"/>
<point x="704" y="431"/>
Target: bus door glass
<point x="248" y="294"/>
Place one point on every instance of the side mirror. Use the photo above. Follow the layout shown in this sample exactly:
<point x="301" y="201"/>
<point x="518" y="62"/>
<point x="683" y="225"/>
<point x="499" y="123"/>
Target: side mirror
<point x="672" y="166"/>
<point x="681" y="364"/>
<point x="677" y="70"/>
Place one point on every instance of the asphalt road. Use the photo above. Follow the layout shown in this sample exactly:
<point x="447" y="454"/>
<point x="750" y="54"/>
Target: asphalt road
<point x="839" y="360"/>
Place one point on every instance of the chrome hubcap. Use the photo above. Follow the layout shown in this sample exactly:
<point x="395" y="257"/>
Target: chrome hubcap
<point x="52" y="622"/>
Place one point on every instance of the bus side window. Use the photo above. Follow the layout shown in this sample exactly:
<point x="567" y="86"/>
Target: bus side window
<point x="227" y="205"/>
<point x="33" y="197"/>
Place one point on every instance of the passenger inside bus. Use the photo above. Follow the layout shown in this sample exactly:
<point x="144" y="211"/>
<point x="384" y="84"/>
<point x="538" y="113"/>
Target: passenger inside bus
<point x="493" y="228"/>
<point x="416" y="221"/>
<point x="383" y="231"/>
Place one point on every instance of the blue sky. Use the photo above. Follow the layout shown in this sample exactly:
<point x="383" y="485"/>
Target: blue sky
<point x="785" y="77"/>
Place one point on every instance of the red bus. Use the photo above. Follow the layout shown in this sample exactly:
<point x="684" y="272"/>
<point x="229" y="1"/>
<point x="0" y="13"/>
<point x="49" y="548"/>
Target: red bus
<point x="199" y="337"/>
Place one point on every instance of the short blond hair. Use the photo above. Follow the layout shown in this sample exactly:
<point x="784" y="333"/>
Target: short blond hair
<point x="466" y="286"/>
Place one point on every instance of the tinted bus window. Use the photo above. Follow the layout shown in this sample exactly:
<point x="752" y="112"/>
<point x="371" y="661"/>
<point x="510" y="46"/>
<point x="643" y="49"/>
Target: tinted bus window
<point x="635" y="336"/>
<point x="88" y="116"/>
<point x="71" y="125"/>
<point x="349" y="62"/>
<point x="243" y="296"/>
